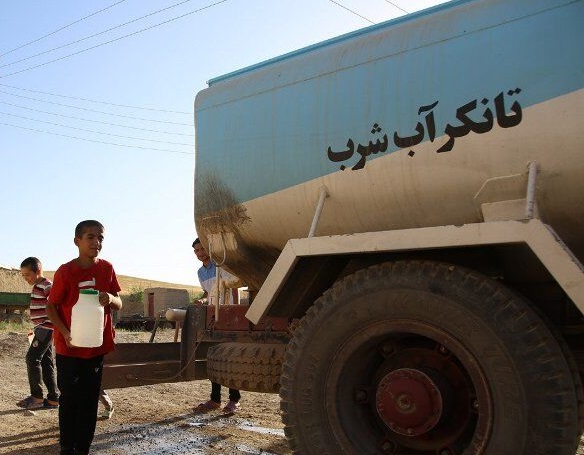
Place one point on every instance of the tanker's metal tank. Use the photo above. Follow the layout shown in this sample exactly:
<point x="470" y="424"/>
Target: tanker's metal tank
<point x="410" y="123"/>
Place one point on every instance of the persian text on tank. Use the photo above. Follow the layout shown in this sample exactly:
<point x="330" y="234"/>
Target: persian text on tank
<point x="504" y="120"/>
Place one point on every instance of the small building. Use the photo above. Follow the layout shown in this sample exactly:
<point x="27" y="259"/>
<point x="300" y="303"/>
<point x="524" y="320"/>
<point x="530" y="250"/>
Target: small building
<point x="158" y="300"/>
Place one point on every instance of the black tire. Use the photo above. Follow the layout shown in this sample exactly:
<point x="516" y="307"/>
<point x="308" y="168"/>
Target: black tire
<point x="255" y="367"/>
<point x="496" y="379"/>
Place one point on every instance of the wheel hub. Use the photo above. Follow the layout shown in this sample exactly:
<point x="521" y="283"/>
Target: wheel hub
<point x="408" y="402"/>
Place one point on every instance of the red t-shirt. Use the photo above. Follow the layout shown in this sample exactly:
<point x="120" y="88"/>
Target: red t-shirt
<point x="68" y="280"/>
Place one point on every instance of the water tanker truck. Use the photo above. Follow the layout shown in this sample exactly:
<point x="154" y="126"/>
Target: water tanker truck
<point x="405" y="204"/>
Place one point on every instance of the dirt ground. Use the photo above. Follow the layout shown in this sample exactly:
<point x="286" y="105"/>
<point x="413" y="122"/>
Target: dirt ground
<point x="149" y="420"/>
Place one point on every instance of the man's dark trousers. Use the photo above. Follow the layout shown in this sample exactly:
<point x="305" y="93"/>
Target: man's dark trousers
<point x="79" y="382"/>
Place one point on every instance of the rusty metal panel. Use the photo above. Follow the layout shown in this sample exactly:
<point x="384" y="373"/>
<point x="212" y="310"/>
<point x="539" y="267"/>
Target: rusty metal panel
<point x="131" y="375"/>
<point x="193" y="332"/>
<point x="231" y="317"/>
<point x="143" y="353"/>
<point x="272" y="323"/>
<point x="257" y="336"/>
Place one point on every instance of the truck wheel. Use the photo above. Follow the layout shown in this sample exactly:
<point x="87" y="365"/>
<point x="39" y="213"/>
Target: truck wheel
<point x="255" y="367"/>
<point x="420" y="357"/>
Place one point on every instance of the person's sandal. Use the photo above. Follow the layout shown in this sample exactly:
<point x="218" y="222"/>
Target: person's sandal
<point x="50" y="404"/>
<point x="106" y="413"/>
<point x="208" y="406"/>
<point x="31" y="403"/>
<point x="231" y="407"/>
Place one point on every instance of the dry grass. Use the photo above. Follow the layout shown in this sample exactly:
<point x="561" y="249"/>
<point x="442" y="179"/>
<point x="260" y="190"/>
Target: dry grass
<point x="130" y="284"/>
<point x="132" y="288"/>
<point x="11" y="281"/>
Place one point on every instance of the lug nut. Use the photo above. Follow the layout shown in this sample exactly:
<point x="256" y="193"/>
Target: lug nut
<point x="361" y="396"/>
<point x="388" y="446"/>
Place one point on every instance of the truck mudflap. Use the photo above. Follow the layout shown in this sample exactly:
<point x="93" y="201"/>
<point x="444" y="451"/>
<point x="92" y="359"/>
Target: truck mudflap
<point x="539" y="237"/>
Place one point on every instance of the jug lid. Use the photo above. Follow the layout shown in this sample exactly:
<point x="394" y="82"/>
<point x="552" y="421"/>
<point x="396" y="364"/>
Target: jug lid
<point x="88" y="291"/>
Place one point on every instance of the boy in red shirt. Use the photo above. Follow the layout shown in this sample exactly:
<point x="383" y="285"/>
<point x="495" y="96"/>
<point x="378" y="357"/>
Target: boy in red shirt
<point x="79" y="370"/>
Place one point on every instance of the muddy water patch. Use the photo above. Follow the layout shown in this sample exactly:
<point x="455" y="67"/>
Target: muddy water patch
<point x="249" y="426"/>
<point x="203" y="435"/>
<point x="154" y="439"/>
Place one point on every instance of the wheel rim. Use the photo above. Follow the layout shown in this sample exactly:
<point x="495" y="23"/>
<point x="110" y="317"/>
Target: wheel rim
<point x="413" y="386"/>
<point x="408" y="401"/>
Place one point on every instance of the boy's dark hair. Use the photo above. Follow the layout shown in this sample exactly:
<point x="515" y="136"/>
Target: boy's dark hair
<point x="196" y="241"/>
<point x="80" y="228"/>
<point x="32" y="263"/>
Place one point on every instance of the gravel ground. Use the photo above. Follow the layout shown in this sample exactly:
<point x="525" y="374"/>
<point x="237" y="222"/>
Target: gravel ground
<point x="149" y="420"/>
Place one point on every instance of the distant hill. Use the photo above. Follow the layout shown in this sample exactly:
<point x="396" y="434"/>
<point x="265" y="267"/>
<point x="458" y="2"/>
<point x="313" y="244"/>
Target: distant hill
<point x="132" y="288"/>
<point x="11" y="281"/>
<point x="130" y="284"/>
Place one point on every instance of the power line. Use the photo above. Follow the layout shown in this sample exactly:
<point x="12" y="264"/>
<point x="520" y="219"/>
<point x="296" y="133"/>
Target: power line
<point x="94" y="121"/>
<point x="62" y="28"/>
<point x="93" y="131"/>
<point x="95" y="141"/>
<point x="96" y="101"/>
<point x="350" y="10"/>
<point x="94" y="35"/>
<point x="398" y="7"/>
<point x="117" y="39"/>
<point x="93" y="110"/>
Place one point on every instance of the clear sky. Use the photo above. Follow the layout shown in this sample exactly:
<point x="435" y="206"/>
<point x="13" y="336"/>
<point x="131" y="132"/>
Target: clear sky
<point x="119" y="97"/>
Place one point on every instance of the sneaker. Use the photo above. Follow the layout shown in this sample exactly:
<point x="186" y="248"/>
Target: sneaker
<point x="107" y="413"/>
<point x="50" y="404"/>
<point x="231" y="407"/>
<point x="208" y="406"/>
<point x="31" y="403"/>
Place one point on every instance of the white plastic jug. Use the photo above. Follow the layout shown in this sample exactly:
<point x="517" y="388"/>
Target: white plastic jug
<point x="87" y="320"/>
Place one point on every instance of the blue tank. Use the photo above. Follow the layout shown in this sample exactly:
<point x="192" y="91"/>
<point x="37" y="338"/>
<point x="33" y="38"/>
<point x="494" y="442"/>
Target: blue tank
<point x="405" y="122"/>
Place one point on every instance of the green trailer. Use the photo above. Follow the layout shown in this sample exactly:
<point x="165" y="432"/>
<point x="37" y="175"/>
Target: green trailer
<point x="13" y="306"/>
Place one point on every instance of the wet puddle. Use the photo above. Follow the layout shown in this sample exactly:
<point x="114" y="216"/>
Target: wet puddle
<point x="185" y="435"/>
